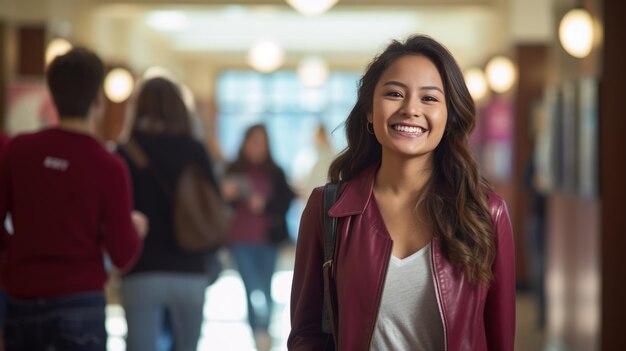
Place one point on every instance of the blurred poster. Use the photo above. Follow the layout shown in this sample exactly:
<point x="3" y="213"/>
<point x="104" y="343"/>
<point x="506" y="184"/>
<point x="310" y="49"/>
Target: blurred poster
<point x="497" y="135"/>
<point x="29" y="107"/>
<point x="588" y="137"/>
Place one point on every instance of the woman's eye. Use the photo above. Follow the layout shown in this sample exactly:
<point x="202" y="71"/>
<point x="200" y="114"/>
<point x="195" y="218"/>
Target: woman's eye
<point x="394" y="94"/>
<point x="430" y="98"/>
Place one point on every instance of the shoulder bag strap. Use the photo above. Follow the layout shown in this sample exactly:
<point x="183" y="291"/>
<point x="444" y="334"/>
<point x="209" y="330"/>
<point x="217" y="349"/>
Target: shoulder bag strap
<point x="139" y="157"/>
<point x="329" y="311"/>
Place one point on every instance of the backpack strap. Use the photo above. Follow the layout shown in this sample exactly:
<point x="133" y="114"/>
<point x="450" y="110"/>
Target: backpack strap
<point x="329" y="311"/>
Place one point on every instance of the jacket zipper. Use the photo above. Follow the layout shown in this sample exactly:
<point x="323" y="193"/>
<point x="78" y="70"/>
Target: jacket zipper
<point x="439" y="299"/>
<point x="380" y="296"/>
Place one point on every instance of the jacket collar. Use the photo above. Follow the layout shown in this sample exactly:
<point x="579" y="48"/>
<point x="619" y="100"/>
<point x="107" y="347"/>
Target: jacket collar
<point x="355" y="194"/>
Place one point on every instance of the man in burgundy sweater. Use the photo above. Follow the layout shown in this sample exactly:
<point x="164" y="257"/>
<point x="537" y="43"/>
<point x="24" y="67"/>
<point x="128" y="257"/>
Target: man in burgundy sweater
<point x="70" y="204"/>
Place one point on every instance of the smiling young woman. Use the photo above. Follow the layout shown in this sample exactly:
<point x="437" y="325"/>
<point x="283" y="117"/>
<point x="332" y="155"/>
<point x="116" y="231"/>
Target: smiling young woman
<point x="409" y="111"/>
<point x="424" y="256"/>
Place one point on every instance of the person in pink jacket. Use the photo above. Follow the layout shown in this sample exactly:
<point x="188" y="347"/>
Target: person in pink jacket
<point x="424" y="255"/>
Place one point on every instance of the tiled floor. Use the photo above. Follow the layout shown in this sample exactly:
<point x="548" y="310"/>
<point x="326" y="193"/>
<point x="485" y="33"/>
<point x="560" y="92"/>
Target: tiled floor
<point x="225" y="326"/>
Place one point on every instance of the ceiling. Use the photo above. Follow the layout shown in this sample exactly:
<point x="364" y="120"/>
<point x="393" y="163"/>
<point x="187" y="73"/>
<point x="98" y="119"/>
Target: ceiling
<point x="345" y="36"/>
<point x="213" y="35"/>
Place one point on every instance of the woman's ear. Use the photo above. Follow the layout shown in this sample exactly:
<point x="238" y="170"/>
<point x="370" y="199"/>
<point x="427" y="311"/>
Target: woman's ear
<point x="369" y="116"/>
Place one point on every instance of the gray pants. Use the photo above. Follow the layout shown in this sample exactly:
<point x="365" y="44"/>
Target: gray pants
<point x="147" y="297"/>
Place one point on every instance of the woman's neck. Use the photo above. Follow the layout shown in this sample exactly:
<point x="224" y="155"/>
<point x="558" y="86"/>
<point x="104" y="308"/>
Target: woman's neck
<point x="406" y="177"/>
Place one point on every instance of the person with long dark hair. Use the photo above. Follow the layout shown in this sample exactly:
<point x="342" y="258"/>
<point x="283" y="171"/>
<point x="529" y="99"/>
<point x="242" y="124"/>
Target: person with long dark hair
<point x="424" y="256"/>
<point x="165" y="291"/>
<point x="261" y="196"/>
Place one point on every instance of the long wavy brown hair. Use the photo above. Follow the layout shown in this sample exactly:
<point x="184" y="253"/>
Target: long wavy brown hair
<point x="160" y="109"/>
<point x="456" y="195"/>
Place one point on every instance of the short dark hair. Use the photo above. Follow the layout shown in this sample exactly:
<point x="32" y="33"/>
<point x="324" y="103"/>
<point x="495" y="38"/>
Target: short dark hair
<point x="74" y="80"/>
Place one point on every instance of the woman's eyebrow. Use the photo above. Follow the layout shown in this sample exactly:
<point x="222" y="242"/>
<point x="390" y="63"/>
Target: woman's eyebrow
<point x="402" y="85"/>
<point x="432" y="87"/>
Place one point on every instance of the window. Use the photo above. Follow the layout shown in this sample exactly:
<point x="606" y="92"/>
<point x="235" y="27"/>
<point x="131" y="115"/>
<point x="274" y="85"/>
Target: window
<point x="290" y="111"/>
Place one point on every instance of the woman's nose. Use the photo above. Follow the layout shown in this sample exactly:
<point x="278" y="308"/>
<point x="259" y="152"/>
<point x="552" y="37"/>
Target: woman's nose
<point x="411" y="107"/>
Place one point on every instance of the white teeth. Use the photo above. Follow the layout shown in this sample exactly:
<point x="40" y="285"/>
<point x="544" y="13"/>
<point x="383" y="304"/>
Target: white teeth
<point x="407" y="129"/>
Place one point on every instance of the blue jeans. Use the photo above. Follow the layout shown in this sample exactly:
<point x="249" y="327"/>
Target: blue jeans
<point x="149" y="298"/>
<point x="71" y="323"/>
<point x="256" y="264"/>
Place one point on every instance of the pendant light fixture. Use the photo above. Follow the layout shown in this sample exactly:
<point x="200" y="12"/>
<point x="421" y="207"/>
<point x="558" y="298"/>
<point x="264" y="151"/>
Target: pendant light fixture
<point x="576" y="32"/>
<point x="312" y="7"/>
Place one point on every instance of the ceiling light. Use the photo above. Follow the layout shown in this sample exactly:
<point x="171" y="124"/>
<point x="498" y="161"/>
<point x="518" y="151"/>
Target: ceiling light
<point x="118" y="85"/>
<point x="57" y="47"/>
<point x="166" y="20"/>
<point x="576" y="33"/>
<point x="476" y="83"/>
<point x="312" y="7"/>
<point x="312" y="72"/>
<point x="501" y="74"/>
<point x="266" y="56"/>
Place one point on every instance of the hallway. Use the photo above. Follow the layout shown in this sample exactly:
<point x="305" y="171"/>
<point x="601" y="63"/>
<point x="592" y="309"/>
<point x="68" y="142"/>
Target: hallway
<point x="225" y="327"/>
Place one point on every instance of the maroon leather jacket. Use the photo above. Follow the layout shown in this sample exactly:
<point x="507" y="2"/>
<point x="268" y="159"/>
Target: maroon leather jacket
<point x="475" y="317"/>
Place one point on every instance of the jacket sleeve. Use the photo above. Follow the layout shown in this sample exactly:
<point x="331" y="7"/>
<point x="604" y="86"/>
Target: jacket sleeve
<point x="307" y="289"/>
<point x="500" y="304"/>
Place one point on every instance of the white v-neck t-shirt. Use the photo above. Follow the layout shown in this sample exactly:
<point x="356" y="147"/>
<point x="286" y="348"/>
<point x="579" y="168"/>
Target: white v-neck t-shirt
<point x="409" y="318"/>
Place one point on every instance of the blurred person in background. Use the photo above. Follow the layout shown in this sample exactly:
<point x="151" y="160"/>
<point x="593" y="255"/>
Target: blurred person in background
<point x="165" y="291"/>
<point x="70" y="203"/>
<point x="318" y="174"/>
<point x="537" y="184"/>
<point x="424" y="254"/>
<point x="258" y="190"/>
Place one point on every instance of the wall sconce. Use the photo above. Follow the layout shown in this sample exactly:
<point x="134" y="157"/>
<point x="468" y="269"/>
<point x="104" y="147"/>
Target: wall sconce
<point x="312" y="7"/>
<point x="312" y="72"/>
<point x="576" y="32"/>
<point x="57" y="47"/>
<point x="266" y="56"/>
<point x="118" y="85"/>
<point x="501" y="74"/>
<point x="476" y="83"/>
